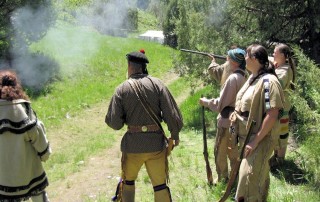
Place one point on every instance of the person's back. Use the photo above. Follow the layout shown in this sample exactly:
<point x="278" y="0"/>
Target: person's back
<point x="23" y="144"/>
<point x="286" y="72"/>
<point x="135" y="114"/>
<point x="225" y="144"/>
<point x="142" y="103"/>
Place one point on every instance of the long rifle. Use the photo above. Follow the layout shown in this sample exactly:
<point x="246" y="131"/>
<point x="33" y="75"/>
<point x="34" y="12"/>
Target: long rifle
<point x="204" y="53"/>
<point x="236" y="165"/>
<point x="205" y="148"/>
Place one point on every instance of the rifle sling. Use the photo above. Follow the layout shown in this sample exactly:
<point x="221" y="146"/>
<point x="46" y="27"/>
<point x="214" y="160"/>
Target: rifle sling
<point x="146" y="105"/>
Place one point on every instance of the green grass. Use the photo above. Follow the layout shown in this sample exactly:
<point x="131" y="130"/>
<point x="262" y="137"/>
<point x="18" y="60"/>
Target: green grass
<point x="188" y="172"/>
<point x="89" y="77"/>
<point x="91" y="65"/>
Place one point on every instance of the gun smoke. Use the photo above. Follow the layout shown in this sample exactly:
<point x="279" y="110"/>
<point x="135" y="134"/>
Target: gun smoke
<point x="35" y="69"/>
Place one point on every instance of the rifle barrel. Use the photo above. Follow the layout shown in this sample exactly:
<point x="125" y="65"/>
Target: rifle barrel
<point x="204" y="53"/>
<point x="205" y="148"/>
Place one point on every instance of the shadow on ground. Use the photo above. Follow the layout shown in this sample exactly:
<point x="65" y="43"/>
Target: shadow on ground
<point x="290" y="172"/>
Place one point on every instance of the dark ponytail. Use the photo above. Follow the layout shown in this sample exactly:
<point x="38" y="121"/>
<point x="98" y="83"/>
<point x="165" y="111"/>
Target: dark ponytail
<point x="261" y="54"/>
<point x="288" y="54"/>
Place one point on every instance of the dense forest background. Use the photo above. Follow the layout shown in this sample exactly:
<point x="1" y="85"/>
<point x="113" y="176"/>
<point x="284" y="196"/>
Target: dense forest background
<point x="204" y="25"/>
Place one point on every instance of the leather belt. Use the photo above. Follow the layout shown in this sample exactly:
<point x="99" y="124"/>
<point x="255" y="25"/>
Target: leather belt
<point x="245" y="114"/>
<point x="143" y="129"/>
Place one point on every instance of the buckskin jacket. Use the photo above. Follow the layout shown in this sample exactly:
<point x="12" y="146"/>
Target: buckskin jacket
<point x="225" y="103"/>
<point x="285" y="75"/>
<point x="126" y="108"/>
<point x="23" y="147"/>
<point x="219" y="73"/>
<point x="266" y="93"/>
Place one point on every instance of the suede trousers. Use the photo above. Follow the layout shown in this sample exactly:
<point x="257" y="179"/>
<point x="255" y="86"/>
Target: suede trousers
<point x="254" y="179"/>
<point x="224" y="149"/>
<point x="157" y="168"/>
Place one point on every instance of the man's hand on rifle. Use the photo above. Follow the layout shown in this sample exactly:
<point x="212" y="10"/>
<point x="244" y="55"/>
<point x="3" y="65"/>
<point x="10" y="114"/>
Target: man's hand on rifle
<point x="213" y="59"/>
<point x="204" y="101"/>
<point x="250" y="147"/>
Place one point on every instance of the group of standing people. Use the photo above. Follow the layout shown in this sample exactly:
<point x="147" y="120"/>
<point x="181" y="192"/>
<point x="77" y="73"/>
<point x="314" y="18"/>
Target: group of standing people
<point x="262" y="97"/>
<point x="254" y="89"/>
<point x="143" y="102"/>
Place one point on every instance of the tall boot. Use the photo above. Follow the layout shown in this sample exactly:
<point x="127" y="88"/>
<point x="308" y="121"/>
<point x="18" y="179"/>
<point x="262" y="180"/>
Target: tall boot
<point x="128" y="193"/>
<point x="162" y="193"/>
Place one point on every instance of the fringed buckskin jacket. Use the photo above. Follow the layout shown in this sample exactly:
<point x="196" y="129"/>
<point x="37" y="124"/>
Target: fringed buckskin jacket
<point x="23" y="147"/>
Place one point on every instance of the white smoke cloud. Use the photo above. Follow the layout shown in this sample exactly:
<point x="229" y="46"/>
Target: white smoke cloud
<point x="106" y="16"/>
<point x="30" y="25"/>
<point x="217" y="13"/>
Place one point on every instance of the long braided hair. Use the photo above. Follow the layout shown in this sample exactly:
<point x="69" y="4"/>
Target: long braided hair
<point x="261" y="54"/>
<point x="288" y="54"/>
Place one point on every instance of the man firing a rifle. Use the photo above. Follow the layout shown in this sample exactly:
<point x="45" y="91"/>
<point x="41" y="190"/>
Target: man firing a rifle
<point x="225" y="145"/>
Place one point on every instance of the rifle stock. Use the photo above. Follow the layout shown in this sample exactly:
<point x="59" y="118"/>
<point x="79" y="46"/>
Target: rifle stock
<point x="205" y="149"/>
<point x="204" y="53"/>
<point x="236" y="166"/>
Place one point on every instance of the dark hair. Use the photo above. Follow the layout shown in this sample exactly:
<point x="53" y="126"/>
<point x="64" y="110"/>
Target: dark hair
<point x="10" y="86"/>
<point x="288" y="54"/>
<point x="261" y="54"/>
<point x="139" y="67"/>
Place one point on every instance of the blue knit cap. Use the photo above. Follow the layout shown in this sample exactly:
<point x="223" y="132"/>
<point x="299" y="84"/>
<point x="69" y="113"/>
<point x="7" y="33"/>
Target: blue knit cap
<point x="238" y="55"/>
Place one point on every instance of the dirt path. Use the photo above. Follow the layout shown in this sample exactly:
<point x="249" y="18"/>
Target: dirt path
<point x="99" y="176"/>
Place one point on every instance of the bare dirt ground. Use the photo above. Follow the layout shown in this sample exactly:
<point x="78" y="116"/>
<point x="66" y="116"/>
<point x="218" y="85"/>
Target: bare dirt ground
<point x="99" y="176"/>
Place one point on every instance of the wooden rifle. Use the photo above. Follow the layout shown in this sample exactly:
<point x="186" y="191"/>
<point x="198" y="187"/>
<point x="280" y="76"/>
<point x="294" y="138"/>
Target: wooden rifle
<point x="236" y="166"/>
<point x="205" y="148"/>
<point x="204" y="53"/>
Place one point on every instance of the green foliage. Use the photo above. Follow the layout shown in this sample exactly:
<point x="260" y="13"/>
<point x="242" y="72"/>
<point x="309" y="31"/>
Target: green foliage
<point x="215" y="27"/>
<point x="306" y="114"/>
<point x="305" y="97"/>
<point x="132" y="22"/>
<point x="146" y="21"/>
<point x="199" y="29"/>
<point x="169" y="24"/>
<point x="158" y="11"/>
<point x="22" y="22"/>
<point x="86" y="59"/>
<point x="91" y="71"/>
<point x="285" y="21"/>
<point x="191" y="109"/>
<point x="74" y="3"/>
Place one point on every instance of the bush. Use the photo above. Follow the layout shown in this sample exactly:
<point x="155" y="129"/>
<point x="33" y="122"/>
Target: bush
<point x="305" y="116"/>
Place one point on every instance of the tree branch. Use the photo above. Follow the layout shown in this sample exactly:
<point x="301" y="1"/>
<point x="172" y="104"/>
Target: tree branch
<point x="251" y="9"/>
